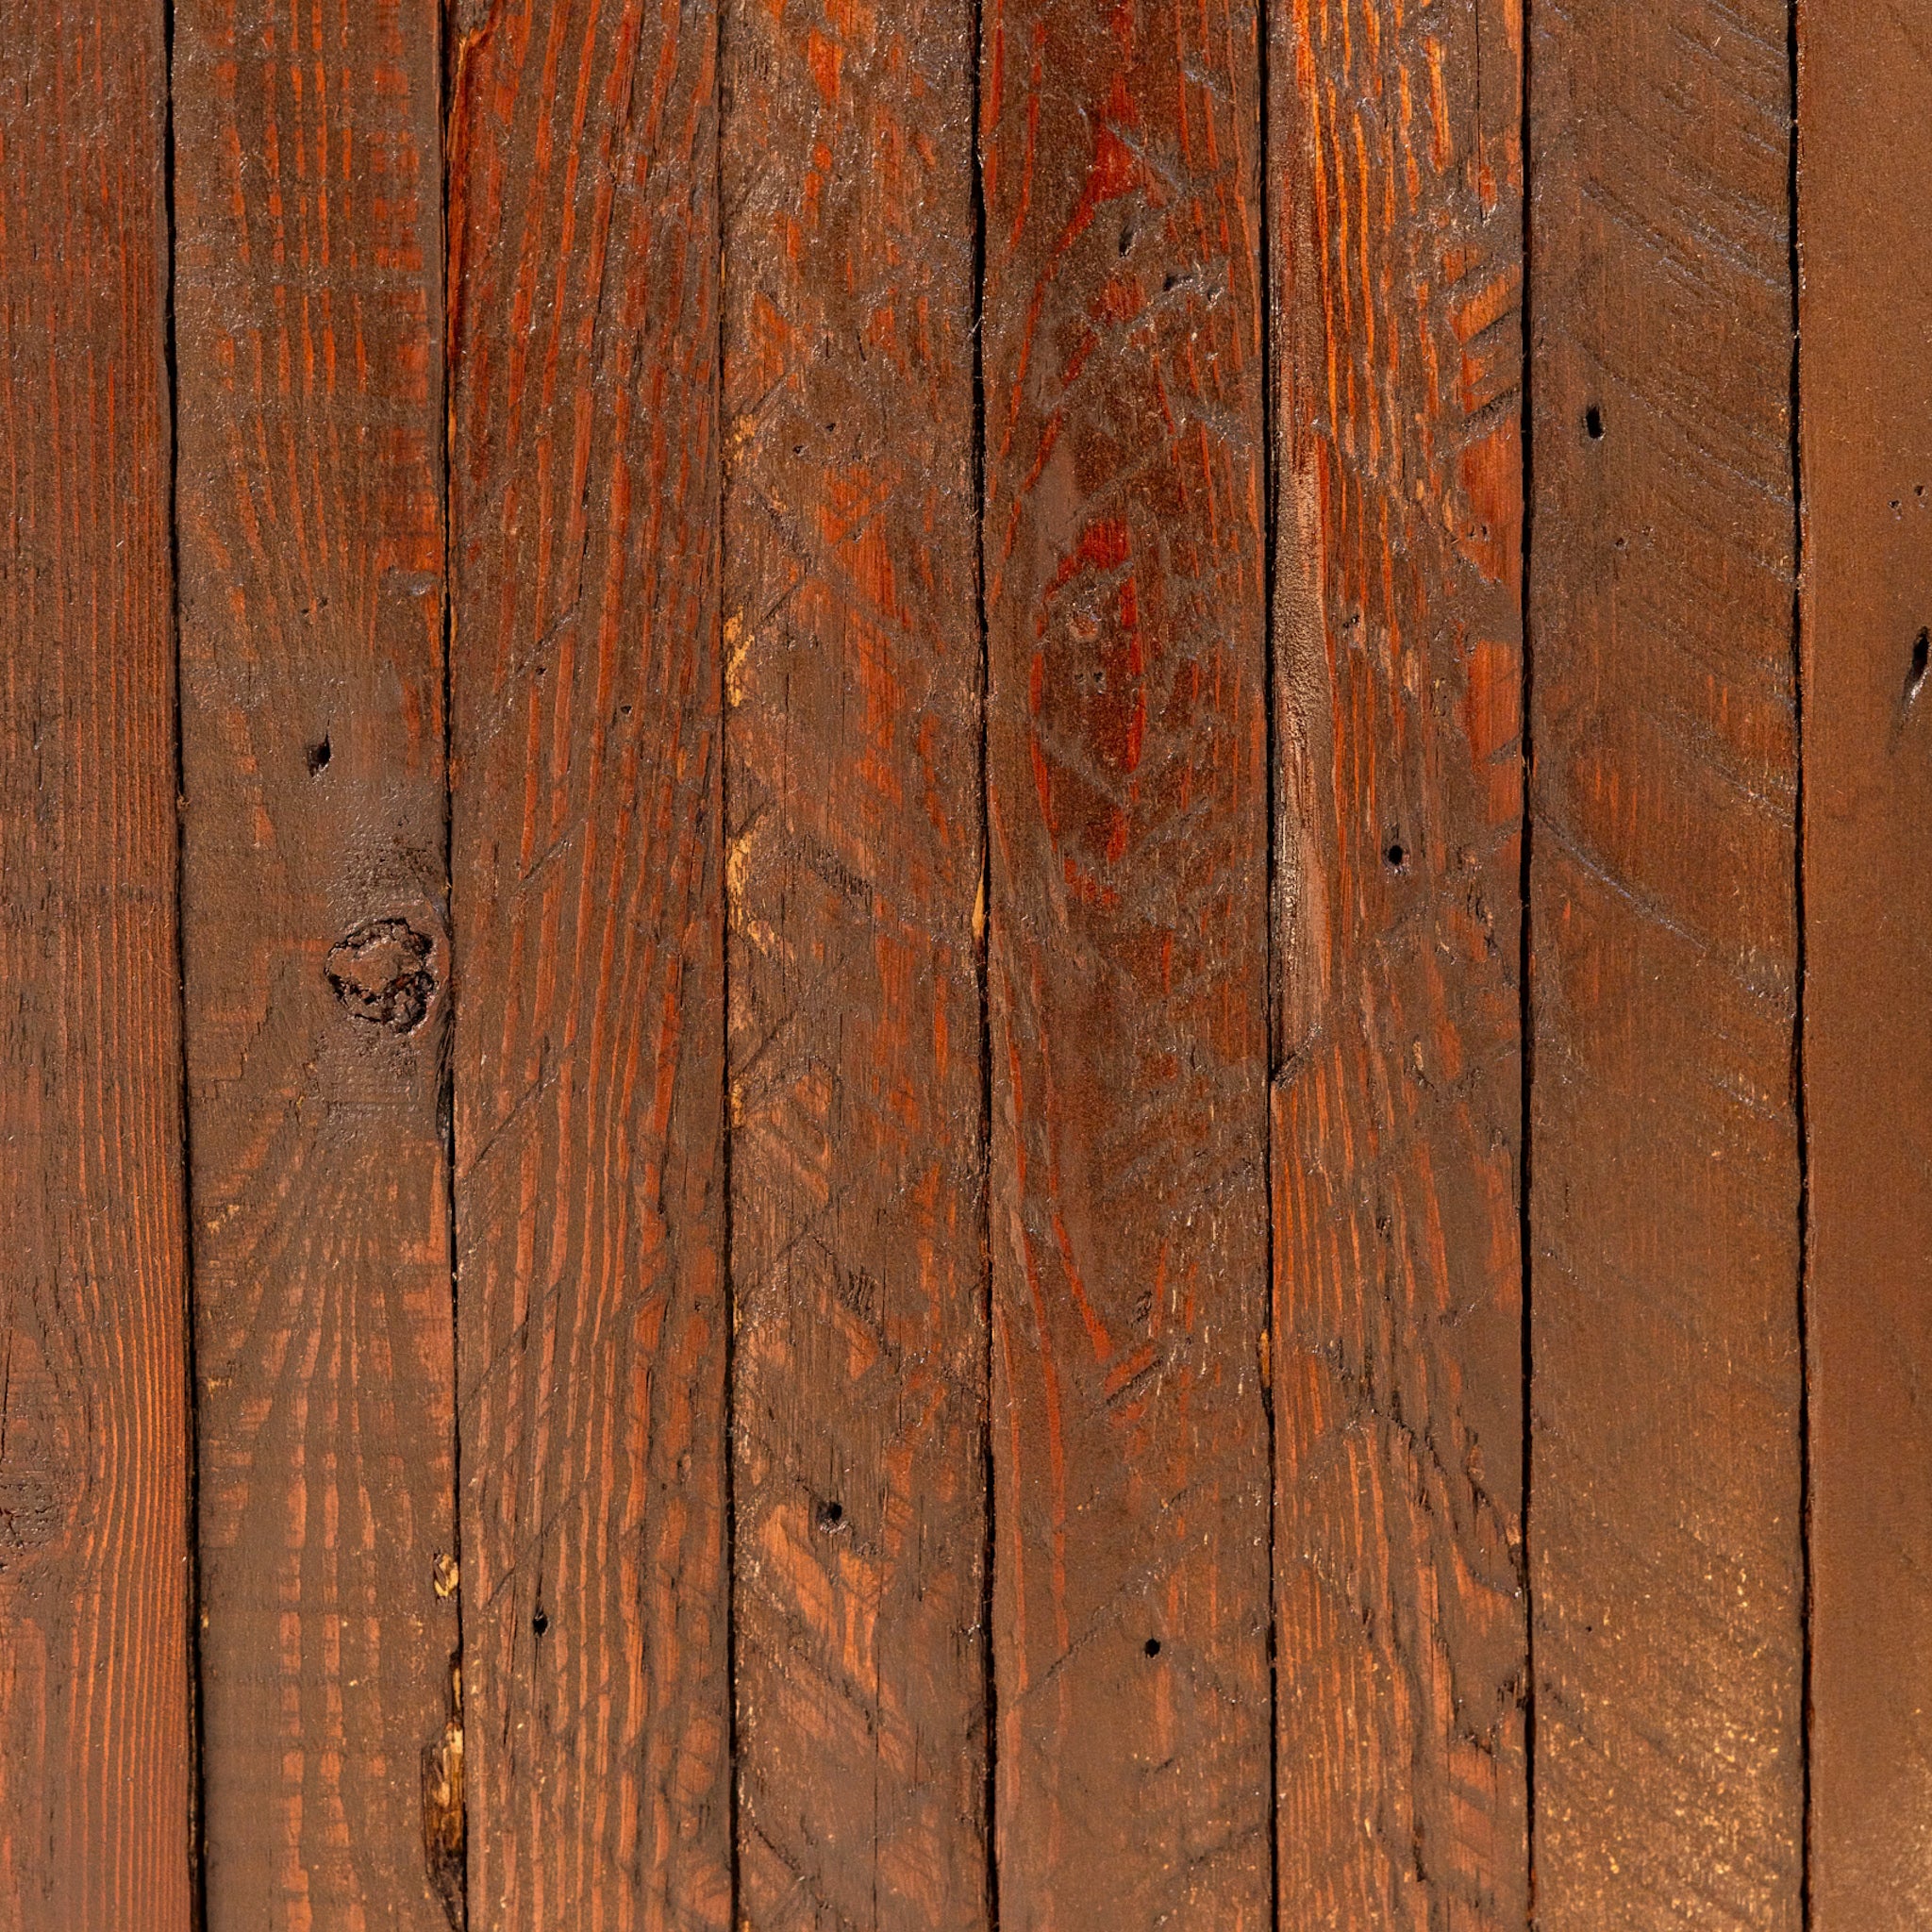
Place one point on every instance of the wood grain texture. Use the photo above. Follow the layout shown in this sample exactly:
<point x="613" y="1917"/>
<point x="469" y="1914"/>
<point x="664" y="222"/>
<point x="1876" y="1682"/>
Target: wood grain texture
<point x="1397" y="1360"/>
<point x="1865" y="170"/>
<point x="589" y="905"/>
<point x="1126" y="780"/>
<point x="853" y="778"/>
<point x="1665" y="1482"/>
<point x="96" y="1724"/>
<point x="314" y="917"/>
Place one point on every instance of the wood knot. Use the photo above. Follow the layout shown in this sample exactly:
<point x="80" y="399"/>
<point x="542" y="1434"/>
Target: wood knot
<point x="379" y="970"/>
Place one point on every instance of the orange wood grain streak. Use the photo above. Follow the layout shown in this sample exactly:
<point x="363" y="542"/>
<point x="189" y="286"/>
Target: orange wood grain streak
<point x="589" y="1047"/>
<point x="858" y="1166"/>
<point x="1397" y="1358"/>
<point x="311" y="532"/>
<point x="1127" y="756"/>
<point x="96" y="1774"/>
<point x="1665" y="1489"/>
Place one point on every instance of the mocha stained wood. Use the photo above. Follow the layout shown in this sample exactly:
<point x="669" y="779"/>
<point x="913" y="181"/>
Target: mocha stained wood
<point x="853" y="879"/>
<point x="1664" y="1158"/>
<point x="95" y="1716"/>
<point x="307" y="331"/>
<point x="1865" y="167"/>
<point x="588" y="1052"/>
<point x="1397" y="1358"/>
<point x="1127" y="756"/>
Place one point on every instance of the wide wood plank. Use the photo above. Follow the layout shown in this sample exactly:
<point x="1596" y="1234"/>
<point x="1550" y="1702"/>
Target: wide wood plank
<point x="1865" y="172"/>
<point x="1127" y="800"/>
<point x="96" y="1724"/>
<point x="1664" y="1488"/>
<point x="1398" y="1383"/>
<point x="857" y="1137"/>
<point x="315" y="920"/>
<point x="588" y="1062"/>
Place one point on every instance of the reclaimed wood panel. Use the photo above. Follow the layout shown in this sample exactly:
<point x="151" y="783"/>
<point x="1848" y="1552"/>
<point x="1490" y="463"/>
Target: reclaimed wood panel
<point x="1664" y="1501"/>
<point x="1865" y="170"/>
<point x="1127" y="809"/>
<point x="309" y="328"/>
<point x="1402" y="1634"/>
<point x="854" y="797"/>
<point x="96" y="1774"/>
<point x="588" y="1063"/>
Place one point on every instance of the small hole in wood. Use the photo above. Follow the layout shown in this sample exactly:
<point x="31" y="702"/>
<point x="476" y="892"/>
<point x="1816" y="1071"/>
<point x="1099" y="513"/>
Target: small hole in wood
<point x="831" y="1515"/>
<point x="1397" y="855"/>
<point x="1593" y="423"/>
<point x="319" y="755"/>
<point x="1152" y="1646"/>
<point x="540" y="1623"/>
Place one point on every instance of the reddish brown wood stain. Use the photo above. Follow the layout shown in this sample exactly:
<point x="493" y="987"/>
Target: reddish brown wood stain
<point x="589" y="1058"/>
<point x="1126" y="786"/>
<point x="96" y="1772"/>
<point x="854" y="876"/>
<point x="1398" y="1270"/>
<point x="919" y="1193"/>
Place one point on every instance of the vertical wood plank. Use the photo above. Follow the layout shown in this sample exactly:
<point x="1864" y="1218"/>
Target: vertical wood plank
<point x="1126" y="783"/>
<point x="1398" y="1382"/>
<point x="588" y="903"/>
<point x="853" y="778"/>
<point x="314" y="914"/>
<point x="96" y="1727"/>
<point x="1865" y="172"/>
<point x="1665" y="1478"/>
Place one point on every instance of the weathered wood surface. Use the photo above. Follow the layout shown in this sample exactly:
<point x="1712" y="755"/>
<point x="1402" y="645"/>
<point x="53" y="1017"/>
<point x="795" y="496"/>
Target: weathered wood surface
<point x="1127" y="803"/>
<point x="588" y="1056"/>
<point x="1865" y="170"/>
<point x="95" y="1709"/>
<point x="1398" y="1359"/>
<point x="855" y="798"/>
<point x="308" y="332"/>
<point x="1664" y="1491"/>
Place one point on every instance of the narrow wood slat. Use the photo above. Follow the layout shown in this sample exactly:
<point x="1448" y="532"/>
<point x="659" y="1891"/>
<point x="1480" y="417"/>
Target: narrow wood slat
<point x="589" y="1058"/>
<point x="95" y="1726"/>
<point x="311" y="550"/>
<point x="854" y="790"/>
<point x="1398" y="1383"/>
<point x="1127" y="786"/>
<point x="1865" y="172"/>
<point x="1665" y="1468"/>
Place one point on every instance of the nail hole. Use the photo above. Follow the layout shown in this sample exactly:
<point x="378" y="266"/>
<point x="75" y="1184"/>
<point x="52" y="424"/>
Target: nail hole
<point x="1396" y="856"/>
<point x="1153" y="1647"/>
<point x="831" y="1515"/>
<point x="1593" y="423"/>
<point x="540" y="1623"/>
<point x="319" y="755"/>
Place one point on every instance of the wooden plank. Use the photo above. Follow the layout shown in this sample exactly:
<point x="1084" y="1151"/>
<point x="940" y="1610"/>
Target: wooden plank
<point x="95" y="1719"/>
<point x="590" y="1051"/>
<point x="1865" y="169"/>
<point x="1127" y="799"/>
<point x="1664" y="1490"/>
<point x="1398" y="1375"/>
<point x="853" y="777"/>
<point x="315" y="915"/>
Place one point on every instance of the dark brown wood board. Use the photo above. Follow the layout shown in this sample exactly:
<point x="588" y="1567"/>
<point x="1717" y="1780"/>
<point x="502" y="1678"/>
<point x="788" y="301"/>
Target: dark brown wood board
<point x="1127" y="748"/>
<point x="1664" y="1491"/>
<point x="315" y="913"/>
<point x="1401" y="1632"/>
<point x="588" y="1052"/>
<point x="96" y="1772"/>
<point x="1864" y="174"/>
<point x="853" y="685"/>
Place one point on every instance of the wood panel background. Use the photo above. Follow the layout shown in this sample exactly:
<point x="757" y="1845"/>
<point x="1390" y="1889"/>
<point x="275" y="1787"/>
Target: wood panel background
<point x="1034" y="1031"/>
